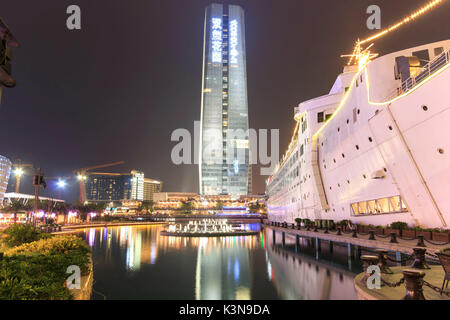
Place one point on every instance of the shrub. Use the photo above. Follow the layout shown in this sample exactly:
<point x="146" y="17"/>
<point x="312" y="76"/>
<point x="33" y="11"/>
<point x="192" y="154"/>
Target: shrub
<point x="298" y="220"/>
<point x="55" y="245"/>
<point x="399" y="225"/>
<point x="19" y="234"/>
<point x="38" y="277"/>
<point x="37" y="270"/>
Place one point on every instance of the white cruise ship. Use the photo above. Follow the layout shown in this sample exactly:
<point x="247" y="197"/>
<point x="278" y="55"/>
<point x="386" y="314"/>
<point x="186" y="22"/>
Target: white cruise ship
<point x="376" y="148"/>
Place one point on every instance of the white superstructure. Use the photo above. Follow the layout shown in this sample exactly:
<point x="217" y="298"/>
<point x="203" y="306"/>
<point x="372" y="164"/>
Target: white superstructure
<point x="376" y="149"/>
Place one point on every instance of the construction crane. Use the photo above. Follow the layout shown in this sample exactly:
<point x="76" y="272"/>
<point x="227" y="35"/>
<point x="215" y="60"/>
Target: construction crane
<point x="19" y="171"/>
<point x="83" y="173"/>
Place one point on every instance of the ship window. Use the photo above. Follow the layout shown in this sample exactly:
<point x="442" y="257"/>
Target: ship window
<point x="328" y="116"/>
<point x="355" y="116"/>
<point x="370" y="139"/>
<point x="362" y="207"/>
<point x="371" y="207"/>
<point x="438" y="51"/>
<point x="379" y="206"/>
<point x="382" y="205"/>
<point x="425" y="108"/>
<point x="395" y="204"/>
<point x="320" y="117"/>
<point x="355" y="208"/>
<point x="423" y="56"/>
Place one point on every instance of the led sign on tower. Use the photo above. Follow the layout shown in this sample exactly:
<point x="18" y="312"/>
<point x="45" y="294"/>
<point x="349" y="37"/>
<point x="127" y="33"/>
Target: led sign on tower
<point x="233" y="41"/>
<point x="216" y="40"/>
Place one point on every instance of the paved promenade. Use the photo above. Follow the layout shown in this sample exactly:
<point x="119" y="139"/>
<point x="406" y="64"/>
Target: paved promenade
<point x="404" y="246"/>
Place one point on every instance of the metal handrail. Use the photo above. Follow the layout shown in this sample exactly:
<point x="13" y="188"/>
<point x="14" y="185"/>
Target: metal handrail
<point x="430" y="68"/>
<point x="427" y="71"/>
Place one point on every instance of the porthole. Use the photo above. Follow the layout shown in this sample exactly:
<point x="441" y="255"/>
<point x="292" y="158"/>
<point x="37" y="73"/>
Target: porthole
<point x="384" y="169"/>
<point x="425" y="108"/>
<point x="343" y="155"/>
<point x="348" y="121"/>
<point x="339" y="185"/>
<point x="364" y="176"/>
<point x="339" y="129"/>
<point x="441" y="151"/>
<point x="348" y="181"/>
<point x="359" y="111"/>
<point x="390" y="128"/>
<point x="370" y="139"/>
<point x="357" y="147"/>
<point x="324" y="166"/>
<point x="334" y="160"/>
<point x="330" y="188"/>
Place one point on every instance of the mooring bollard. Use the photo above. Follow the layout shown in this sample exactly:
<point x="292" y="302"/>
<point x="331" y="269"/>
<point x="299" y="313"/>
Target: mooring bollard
<point x="326" y="230"/>
<point x="382" y="261"/>
<point x="414" y="282"/>
<point x="419" y="261"/>
<point x="315" y="228"/>
<point x="354" y="234"/>
<point x="393" y="237"/>
<point x="339" y="231"/>
<point x="293" y="226"/>
<point x="372" y="235"/>
<point x="299" y="226"/>
<point x="367" y="262"/>
<point x="420" y="242"/>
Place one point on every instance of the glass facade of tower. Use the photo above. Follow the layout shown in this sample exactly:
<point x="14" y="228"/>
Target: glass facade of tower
<point x="115" y="186"/>
<point x="224" y="148"/>
<point x="5" y="171"/>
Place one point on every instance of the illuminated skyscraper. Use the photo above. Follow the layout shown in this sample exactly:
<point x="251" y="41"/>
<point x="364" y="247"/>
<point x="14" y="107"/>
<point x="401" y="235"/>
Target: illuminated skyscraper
<point x="5" y="171"/>
<point x="224" y="147"/>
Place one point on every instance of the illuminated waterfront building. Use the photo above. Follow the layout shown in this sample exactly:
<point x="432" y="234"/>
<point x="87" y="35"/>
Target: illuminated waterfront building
<point x="151" y="186"/>
<point x="109" y="187"/>
<point x="224" y="148"/>
<point x="5" y="171"/>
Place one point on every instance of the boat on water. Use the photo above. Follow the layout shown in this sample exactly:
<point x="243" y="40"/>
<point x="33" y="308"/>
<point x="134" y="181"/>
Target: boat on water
<point x="376" y="148"/>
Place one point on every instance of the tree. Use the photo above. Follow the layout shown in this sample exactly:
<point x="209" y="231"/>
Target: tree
<point x="146" y="205"/>
<point x="219" y="205"/>
<point x="14" y="207"/>
<point x="186" y="206"/>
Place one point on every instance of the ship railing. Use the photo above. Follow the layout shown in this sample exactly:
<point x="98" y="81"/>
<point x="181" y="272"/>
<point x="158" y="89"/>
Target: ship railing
<point x="429" y="69"/>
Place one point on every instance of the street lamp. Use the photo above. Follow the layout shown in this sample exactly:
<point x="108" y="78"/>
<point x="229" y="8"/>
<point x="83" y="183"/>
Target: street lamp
<point x="61" y="184"/>
<point x="18" y="172"/>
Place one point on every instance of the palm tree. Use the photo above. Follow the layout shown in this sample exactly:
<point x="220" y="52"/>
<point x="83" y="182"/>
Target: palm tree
<point x="14" y="207"/>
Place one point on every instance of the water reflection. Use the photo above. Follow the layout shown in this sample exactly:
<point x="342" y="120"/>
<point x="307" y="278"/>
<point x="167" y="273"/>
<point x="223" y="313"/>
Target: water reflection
<point x="137" y="263"/>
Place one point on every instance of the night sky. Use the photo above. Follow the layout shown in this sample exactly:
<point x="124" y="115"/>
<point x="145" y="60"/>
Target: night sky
<point x="116" y="89"/>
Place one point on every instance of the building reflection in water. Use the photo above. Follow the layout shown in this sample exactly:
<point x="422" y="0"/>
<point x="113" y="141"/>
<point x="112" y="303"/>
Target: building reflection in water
<point x="225" y="268"/>
<point x="300" y="277"/>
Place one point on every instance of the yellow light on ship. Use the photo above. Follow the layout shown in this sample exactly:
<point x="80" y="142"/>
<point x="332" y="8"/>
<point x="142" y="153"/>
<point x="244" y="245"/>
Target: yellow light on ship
<point x="406" y="20"/>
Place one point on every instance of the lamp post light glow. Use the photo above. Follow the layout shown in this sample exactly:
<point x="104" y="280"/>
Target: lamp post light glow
<point x="61" y="184"/>
<point x="18" y="172"/>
